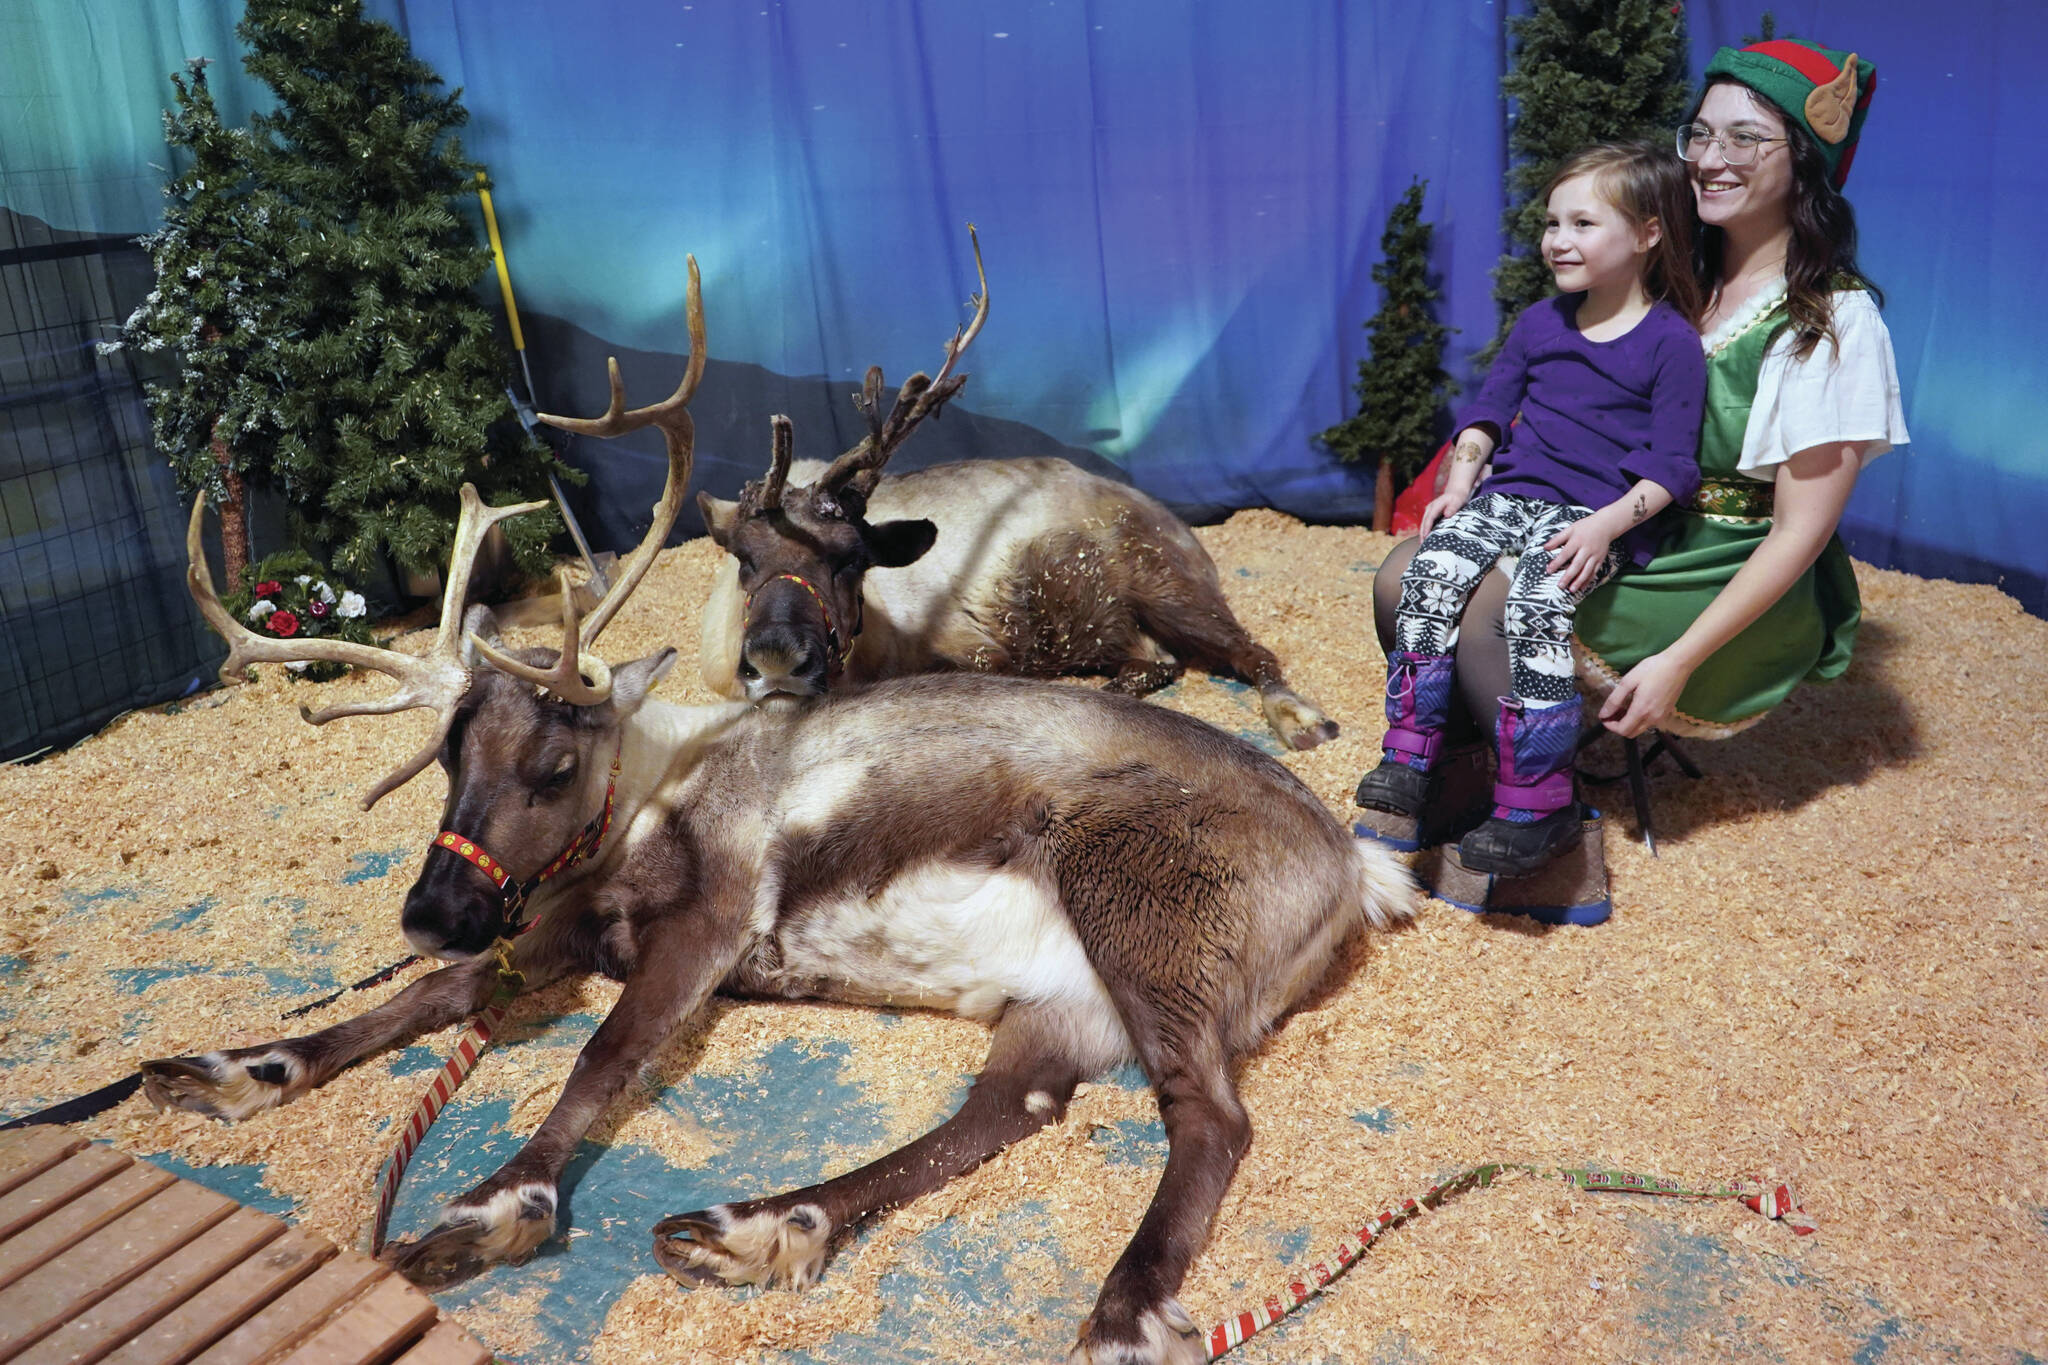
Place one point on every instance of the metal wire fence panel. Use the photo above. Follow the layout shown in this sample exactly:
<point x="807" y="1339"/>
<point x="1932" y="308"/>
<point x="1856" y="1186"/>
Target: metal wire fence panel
<point x="94" y="619"/>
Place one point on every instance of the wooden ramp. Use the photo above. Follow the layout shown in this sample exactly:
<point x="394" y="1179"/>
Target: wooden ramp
<point x="106" y="1258"/>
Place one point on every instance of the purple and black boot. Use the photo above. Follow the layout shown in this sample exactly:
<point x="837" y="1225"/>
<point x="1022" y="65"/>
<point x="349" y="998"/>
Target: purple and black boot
<point x="1535" y="813"/>
<point x="1418" y="708"/>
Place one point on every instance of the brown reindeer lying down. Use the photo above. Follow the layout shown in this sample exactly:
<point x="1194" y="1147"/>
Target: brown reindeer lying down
<point x="1032" y="567"/>
<point x="1095" y="878"/>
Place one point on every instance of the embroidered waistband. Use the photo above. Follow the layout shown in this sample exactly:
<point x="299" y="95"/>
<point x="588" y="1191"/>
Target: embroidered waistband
<point x="1734" y="499"/>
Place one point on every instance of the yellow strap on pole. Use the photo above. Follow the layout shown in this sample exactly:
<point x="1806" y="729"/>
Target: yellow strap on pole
<point x="498" y="257"/>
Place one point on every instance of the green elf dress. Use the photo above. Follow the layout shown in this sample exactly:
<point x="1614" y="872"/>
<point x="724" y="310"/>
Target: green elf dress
<point x="1762" y="407"/>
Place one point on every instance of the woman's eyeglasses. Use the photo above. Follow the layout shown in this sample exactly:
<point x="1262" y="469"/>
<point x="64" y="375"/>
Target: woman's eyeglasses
<point x="1739" y="146"/>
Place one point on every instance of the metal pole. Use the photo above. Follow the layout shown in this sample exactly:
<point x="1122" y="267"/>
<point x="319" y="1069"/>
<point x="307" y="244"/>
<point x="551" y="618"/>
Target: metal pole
<point x="525" y="411"/>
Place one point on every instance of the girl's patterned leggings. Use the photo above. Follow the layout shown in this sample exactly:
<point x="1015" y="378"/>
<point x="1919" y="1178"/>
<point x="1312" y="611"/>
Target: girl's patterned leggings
<point x="1456" y="555"/>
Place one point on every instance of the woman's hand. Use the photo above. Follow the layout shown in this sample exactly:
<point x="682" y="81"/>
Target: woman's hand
<point x="1443" y="505"/>
<point x="1646" y="696"/>
<point x="1578" y="551"/>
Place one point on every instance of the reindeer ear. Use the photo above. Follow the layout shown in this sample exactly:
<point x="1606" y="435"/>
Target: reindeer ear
<point x="896" y="543"/>
<point x="719" y="516"/>
<point x="632" y="682"/>
<point x="480" y="623"/>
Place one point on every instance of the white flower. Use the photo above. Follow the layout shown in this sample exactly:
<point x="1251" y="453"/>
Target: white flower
<point x="298" y="665"/>
<point x="352" y="605"/>
<point x="260" y="609"/>
<point x="303" y="579"/>
<point x="323" y="592"/>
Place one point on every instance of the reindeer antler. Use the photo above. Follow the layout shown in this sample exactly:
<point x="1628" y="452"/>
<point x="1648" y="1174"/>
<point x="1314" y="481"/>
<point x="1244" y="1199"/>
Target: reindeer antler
<point x="920" y="396"/>
<point x="680" y="435"/>
<point x="769" y="495"/>
<point x="577" y="676"/>
<point x="438" y="679"/>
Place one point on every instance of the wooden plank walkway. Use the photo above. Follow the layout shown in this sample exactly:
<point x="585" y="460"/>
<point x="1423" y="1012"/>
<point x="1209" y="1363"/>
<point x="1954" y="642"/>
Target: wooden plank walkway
<point x="104" y="1258"/>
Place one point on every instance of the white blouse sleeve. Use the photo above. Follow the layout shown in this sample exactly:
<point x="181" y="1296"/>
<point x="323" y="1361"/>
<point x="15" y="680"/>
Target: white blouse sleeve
<point x="1846" y="390"/>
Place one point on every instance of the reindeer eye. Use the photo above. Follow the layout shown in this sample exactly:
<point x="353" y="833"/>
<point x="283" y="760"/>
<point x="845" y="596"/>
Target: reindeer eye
<point x="561" y="776"/>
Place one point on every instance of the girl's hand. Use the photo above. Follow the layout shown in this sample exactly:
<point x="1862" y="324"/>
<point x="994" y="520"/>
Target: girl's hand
<point x="1443" y="505"/>
<point x="1646" y="696"/>
<point x="1578" y="551"/>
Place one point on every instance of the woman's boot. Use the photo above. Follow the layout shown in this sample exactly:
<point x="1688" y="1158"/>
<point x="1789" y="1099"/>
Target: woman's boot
<point x="1535" y="814"/>
<point x="1418" y="705"/>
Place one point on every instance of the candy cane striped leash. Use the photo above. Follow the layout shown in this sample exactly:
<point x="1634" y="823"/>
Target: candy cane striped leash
<point x="467" y="1049"/>
<point x="478" y="1035"/>
<point x="1773" y="1201"/>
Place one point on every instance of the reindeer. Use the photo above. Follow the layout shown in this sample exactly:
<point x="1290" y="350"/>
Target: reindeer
<point x="1030" y="567"/>
<point x="1096" y="878"/>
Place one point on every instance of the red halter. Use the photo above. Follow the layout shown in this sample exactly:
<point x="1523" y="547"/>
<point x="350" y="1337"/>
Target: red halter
<point x="584" y="845"/>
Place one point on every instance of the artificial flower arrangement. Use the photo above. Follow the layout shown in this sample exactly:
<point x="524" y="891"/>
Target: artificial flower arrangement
<point x="290" y="595"/>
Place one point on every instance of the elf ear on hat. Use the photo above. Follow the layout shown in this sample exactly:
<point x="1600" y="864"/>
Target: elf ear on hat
<point x="1824" y="91"/>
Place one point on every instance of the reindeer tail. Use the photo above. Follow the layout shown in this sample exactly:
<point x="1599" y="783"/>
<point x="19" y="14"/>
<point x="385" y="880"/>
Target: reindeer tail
<point x="1387" y="893"/>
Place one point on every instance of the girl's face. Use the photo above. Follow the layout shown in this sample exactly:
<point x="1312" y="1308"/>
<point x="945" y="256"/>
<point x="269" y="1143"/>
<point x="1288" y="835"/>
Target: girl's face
<point x="1587" y="242"/>
<point x="1759" y="193"/>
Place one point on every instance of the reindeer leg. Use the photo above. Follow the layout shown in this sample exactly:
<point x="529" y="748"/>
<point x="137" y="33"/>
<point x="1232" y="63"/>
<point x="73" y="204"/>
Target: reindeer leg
<point x="1143" y="677"/>
<point x="513" y="1211"/>
<point x="1200" y="629"/>
<point x="1137" y="1320"/>
<point x="1034" y="1062"/>
<point x="247" y="1080"/>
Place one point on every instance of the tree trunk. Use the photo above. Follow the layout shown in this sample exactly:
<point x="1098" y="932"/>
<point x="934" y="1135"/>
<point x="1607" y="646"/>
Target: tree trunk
<point x="1383" y="497"/>
<point x="234" y="522"/>
<point x="234" y="517"/>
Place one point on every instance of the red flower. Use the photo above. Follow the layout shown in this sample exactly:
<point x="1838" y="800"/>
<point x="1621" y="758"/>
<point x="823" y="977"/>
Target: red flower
<point x="270" y="587"/>
<point x="318" y="608"/>
<point x="282" y="623"/>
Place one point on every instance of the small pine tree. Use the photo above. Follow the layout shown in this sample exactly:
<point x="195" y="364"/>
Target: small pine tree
<point x="1401" y="382"/>
<point x="217" y="267"/>
<point x="1579" y="72"/>
<point x="389" y="384"/>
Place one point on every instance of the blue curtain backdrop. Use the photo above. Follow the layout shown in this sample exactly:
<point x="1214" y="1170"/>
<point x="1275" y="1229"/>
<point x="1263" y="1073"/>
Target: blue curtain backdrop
<point x="1180" y="204"/>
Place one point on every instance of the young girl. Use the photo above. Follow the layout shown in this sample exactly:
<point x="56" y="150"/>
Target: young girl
<point x="1607" y="380"/>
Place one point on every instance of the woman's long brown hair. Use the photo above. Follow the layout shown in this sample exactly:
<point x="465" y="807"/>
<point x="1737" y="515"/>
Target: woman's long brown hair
<point x="1822" y="255"/>
<point x="1646" y="183"/>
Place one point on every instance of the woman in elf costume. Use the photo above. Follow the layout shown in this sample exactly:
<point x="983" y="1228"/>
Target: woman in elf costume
<point x="1751" y="591"/>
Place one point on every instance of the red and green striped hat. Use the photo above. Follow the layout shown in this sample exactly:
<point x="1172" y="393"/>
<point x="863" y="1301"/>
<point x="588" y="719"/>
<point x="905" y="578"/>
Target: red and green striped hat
<point x="1824" y="91"/>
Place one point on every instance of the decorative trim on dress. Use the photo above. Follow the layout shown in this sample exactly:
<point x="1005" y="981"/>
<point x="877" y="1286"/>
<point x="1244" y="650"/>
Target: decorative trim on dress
<point x="1744" y="318"/>
<point x="1740" y="501"/>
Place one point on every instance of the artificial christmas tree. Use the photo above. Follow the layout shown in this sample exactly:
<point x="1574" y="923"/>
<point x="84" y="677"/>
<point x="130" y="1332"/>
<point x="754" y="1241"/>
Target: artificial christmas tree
<point x="388" y="384"/>
<point x="1579" y="72"/>
<point x="1401" y="382"/>
<point x="217" y="267"/>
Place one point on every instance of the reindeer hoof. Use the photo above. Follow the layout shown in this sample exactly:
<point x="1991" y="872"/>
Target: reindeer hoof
<point x="449" y="1254"/>
<point x="727" y="1245"/>
<point x="1314" y="735"/>
<point x="1164" y="1335"/>
<point x="506" y="1226"/>
<point x="221" y="1085"/>
<point x="1298" y="723"/>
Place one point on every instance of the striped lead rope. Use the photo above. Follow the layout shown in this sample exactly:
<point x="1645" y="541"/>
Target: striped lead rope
<point x="1772" y="1201"/>
<point x="451" y="1075"/>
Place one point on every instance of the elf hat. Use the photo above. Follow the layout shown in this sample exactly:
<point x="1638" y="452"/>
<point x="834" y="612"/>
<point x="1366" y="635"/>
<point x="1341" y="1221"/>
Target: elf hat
<point x="1824" y="91"/>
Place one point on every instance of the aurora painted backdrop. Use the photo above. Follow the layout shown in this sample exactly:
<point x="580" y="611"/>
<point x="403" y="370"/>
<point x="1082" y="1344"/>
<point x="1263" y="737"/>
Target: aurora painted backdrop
<point x="1180" y="203"/>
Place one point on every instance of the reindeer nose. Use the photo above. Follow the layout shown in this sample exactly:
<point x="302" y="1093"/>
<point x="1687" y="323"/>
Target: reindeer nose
<point x="451" y="912"/>
<point x="781" y="659"/>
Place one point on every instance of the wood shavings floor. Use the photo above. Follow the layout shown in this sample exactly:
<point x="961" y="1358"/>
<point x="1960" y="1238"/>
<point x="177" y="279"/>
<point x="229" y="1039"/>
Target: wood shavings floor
<point x="1833" y="974"/>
